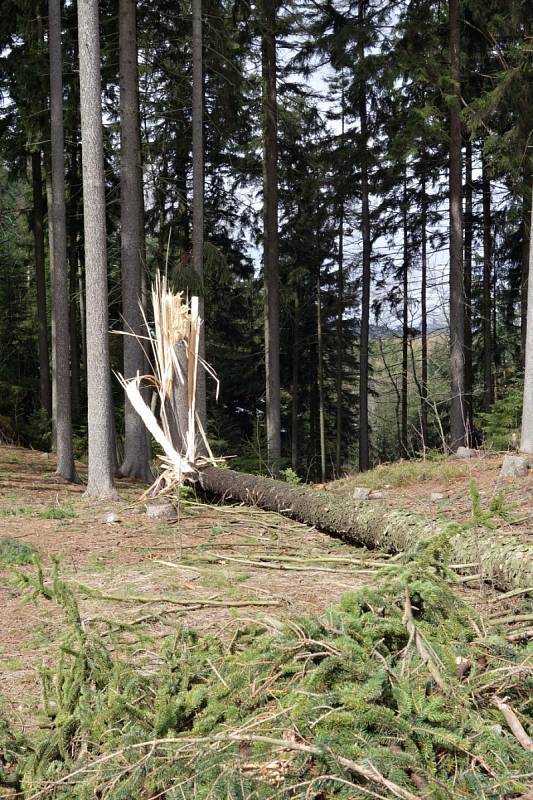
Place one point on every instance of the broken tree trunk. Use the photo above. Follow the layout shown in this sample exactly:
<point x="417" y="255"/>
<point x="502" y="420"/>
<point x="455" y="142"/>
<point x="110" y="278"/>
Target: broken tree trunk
<point x="503" y="559"/>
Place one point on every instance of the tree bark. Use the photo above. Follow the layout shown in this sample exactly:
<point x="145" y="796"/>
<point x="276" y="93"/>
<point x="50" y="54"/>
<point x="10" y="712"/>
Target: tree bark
<point x="60" y="296"/>
<point x="99" y="407"/>
<point x="526" y="213"/>
<point x="340" y="313"/>
<point x="75" y="372"/>
<point x="177" y="409"/>
<point x="457" y="405"/>
<point x="526" y="443"/>
<point x="487" y="282"/>
<point x="270" y="234"/>
<point x="424" y="324"/>
<point x="45" y="384"/>
<point x="198" y="199"/>
<point x="295" y="394"/>
<point x="313" y="446"/>
<point x="502" y="559"/>
<point x="320" y="370"/>
<point x="73" y="266"/>
<point x="136" y="463"/>
<point x="468" y="227"/>
<point x="405" y="325"/>
<point x="364" y="456"/>
<point x="82" y="314"/>
<point x="50" y="227"/>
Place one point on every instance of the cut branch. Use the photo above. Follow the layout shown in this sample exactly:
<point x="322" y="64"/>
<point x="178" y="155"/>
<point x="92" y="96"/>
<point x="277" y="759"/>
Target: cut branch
<point x="514" y="723"/>
<point x="423" y="650"/>
<point x="176" y="601"/>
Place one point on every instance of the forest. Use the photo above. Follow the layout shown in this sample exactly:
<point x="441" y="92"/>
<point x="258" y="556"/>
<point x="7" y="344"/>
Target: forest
<point x="347" y="188"/>
<point x="266" y="399"/>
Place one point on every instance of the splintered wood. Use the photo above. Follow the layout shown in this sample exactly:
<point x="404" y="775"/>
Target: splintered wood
<point x="176" y="329"/>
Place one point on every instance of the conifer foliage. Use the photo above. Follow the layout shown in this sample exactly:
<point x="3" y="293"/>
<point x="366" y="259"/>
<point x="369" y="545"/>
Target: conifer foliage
<point x="393" y="693"/>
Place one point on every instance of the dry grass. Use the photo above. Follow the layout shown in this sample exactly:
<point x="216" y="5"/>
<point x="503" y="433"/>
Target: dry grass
<point x="404" y="473"/>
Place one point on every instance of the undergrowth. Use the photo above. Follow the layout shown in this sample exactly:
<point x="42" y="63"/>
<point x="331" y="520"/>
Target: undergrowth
<point x="366" y="701"/>
<point x="14" y="552"/>
<point x="402" y="473"/>
<point x="64" y="511"/>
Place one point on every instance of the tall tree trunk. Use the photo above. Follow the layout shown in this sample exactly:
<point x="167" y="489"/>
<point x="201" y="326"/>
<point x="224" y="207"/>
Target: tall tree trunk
<point x="60" y="296"/>
<point x="320" y="370"/>
<point x="457" y="309"/>
<point x="526" y="443"/>
<point x="73" y="249"/>
<point x="45" y="384"/>
<point x="526" y="211"/>
<point x="161" y="188"/>
<point x="468" y="226"/>
<point x="270" y="225"/>
<point x="487" y="281"/>
<point x="405" y="322"/>
<point x="424" y="324"/>
<point x="50" y="227"/>
<point x="82" y="314"/>
<point x="75" y="372"/>
<point x="198" y="198"/>
<point x="314" y="407"/>
<point x="136" y="463"/>
<point x="295" y="390"/>
<point x="99" y="406"/>
<point x="182" y="224"/>
<point x="494" y="330"/>
<point x="339" y="318"/>
<point x="364" y="459"/>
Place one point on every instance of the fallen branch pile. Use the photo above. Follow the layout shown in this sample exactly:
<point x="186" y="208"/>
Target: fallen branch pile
<point x="393" y="694"/>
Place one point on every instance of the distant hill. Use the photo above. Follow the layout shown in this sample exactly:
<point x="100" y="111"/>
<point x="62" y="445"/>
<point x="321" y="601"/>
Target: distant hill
<point x="387" y="331"/>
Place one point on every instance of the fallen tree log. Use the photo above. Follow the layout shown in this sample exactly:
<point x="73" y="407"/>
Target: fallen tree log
<point x="503" y="559"/>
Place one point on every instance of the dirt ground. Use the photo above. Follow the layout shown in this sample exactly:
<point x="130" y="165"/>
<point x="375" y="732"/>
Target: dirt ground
<point x="213" y="568"/>
<point x="190" y="559"/>
<point x="414" y="485"/>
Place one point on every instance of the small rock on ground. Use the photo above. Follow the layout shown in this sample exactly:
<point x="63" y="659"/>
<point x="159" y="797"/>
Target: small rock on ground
<point x="466" y="452"/>
<point x="361" y="493"/>
<point x="111" y="518"/>
<point x="514" y="466"/>
<point x="436" y="496"/>
<point x="161" y="511"/>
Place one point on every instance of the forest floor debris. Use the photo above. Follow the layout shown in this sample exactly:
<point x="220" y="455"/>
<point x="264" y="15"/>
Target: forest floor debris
<point x="222" y="554"/>
<point x="198" y="556"/>
<point x="389" y="694"/>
